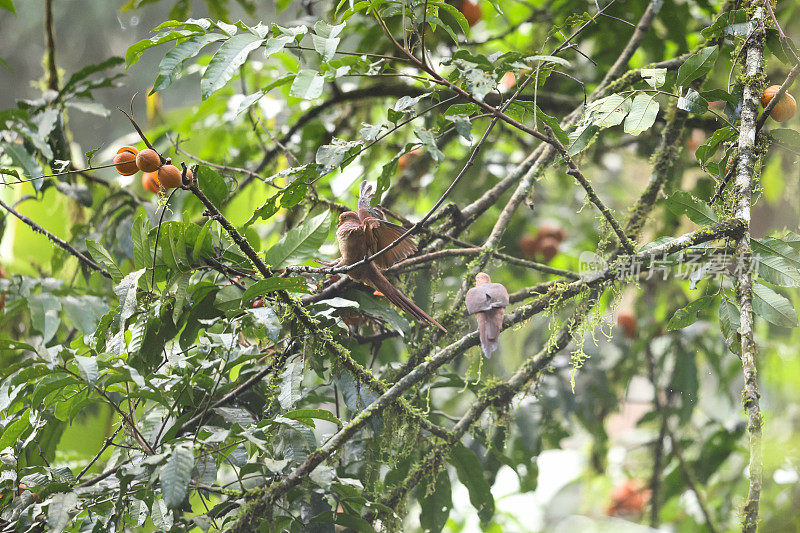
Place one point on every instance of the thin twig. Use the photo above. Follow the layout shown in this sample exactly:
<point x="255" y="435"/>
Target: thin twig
<point x="60" y="242"/>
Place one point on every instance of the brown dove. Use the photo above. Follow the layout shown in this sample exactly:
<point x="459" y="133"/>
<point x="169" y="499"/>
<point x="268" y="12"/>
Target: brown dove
<point x="487" y="301"/>
<point x="367" y="232"/>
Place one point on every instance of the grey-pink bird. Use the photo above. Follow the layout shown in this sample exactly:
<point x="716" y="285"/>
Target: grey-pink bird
<point x="487" y="301"/>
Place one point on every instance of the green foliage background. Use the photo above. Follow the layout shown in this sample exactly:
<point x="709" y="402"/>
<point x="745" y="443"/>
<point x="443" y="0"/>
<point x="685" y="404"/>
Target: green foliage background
<point x="159" y="397"/>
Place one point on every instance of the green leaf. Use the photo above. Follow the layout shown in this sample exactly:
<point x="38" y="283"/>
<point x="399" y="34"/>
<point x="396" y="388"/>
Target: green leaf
<point x="685" y="383"/>
<point x="301" y="243"/>
<point x="692" y="102"/>
<point x="135" y="51"/>
<point x="787" y="137"/>
<point x="142" y="251"/>
<point x="548" y="59"/>
<point x="266" y="317"/>
<point x="291" y="380"/>
<point x="330" y="156"/>
<point x="697" y="65"/>
<point x="582" y="138"/>
<point x="11" y="432"/>
<point x="84" y="311"/>
<point x="429" y="141"/>
<point x="85" y="72"/>
<point x="266" y="286"/>
<point x="307" y="85"/>
<point x="682" y="202"/>
<point x="773" y="307"/>
<point x="23" y="159"/>
<point x="61" y="504"/>
<point x="689" y="314"/>
<point x="88" y="368"/>
<point x="380" y="307"/>
<point x="325" y="39"/>
<point x="101" y="255"/>
<point x="462" y="124"/>
<point x="269" y="208"/>
<point x="781" y="247"/>
<point x="176" y="474"/>
<point x="712" y="144"/>
<point x="294" y="193"/>
<point x="44" y="314"/>
<point x="655" y="77"/>
<point x="226" y="62"/>
<point x="181" y="287"/>
<point x="776" y="262"/>
<point x="609" y="111"/>
<point x="212" y="185"/>
<point x="276" y="44"/>
<point x="203" y="244"/>
<point x="471" y="475"/>
<point x="436" y="505"/>
<point x="199" y="25"/>
<point x="644" y="110"/>
<point x="126" y="292"/>
<point x="319" y="414"/>
<point x="456" y="14"/>
<point x="8" y="5"/>
<point x="729" y="324"/>
<point x="175" y="58"/>
<point x="161" y="517"/>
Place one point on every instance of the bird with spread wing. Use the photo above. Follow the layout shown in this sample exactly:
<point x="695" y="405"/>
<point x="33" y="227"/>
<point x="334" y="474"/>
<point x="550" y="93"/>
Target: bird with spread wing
<point x="365" y="233"/>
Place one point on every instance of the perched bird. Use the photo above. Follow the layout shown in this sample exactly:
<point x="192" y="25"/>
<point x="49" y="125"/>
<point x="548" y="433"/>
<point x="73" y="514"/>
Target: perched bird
<point x="364" y="233"/>
<point x="489" y="301"/>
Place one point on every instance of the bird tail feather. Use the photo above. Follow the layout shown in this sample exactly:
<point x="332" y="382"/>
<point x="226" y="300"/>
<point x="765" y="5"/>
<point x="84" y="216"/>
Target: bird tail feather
<point x="402" y="301"/>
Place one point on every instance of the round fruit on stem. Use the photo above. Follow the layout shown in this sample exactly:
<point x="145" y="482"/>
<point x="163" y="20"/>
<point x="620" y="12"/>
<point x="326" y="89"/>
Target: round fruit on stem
<point x="148" y="160"/>
<point x="130" y="149"/>
<point x="150" y="183"/>
<point x="784" y="109"/>
<point x="404" y="160"/>
<point x="471" y="11"/>
<point x="529" y="245"/>
<point x="627" y="322"/>
<point x="125" y="161"/>
<point x="548" y="247"/>
<point x="169" y="176"/>
<point x="553" y="232"/>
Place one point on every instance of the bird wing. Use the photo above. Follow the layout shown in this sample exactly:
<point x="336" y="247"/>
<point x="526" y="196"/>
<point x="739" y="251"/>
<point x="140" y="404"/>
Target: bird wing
<point x="486" y="297"/>
<point x="365" y="209"/>
<point x="380" y="234"/>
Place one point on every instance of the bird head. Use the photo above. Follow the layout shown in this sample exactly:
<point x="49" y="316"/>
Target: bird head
<point x="348" y="216"/>
<point x="482" y="278"/>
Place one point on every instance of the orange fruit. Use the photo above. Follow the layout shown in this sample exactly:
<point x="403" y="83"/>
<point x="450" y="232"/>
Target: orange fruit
<point x="629" y="498"/>
<point x="150" y="183"/>
<point x="553" y="232"/>
<point x="548" y="247"/>
<point x="471" y="11"/>
<point x="627" y="322"/>
<point x="125" y="161"/>
<point x="529" y="245"/>
<point x="508" y="81"/>
<point x="148" y="160"/>
<point x="169" y="176"/>
<point x="404" y="160"/>
<point x="784" y="109"/>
